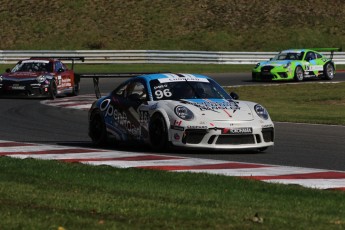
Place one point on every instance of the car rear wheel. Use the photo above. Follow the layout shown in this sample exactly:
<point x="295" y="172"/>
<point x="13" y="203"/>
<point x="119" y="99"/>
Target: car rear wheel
<point x="52" y="90"/>
<point x="97" y="130"/>
<point x="299" y="74"/>
<point x="328" y="71"/>
<point x="158" y="133"/>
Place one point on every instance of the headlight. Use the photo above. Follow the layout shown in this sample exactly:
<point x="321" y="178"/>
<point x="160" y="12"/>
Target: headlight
<point x="41" y="78"/>
<point x="261" y="111"/>
<point x="287" y="65"/>
<point x="184" y="113"/>
<point x="0" y="78"/>
<point x="257" y="65"/>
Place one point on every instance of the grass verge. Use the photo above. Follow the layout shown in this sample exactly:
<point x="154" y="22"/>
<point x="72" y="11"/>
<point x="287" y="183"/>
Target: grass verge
<point x="37" y="194"/>
<point x="314" y="102"/>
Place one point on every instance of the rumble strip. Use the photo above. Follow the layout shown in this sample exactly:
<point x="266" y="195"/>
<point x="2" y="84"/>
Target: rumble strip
<point x="311" y="178"/>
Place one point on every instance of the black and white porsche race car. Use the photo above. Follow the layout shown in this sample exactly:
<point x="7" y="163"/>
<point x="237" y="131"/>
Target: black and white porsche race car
<point x="184" y="110"/>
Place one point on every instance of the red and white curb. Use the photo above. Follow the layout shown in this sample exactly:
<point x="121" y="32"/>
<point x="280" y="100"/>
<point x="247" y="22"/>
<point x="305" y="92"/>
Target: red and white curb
<point x="311" y="178"/>
<point x="81" y="102"/>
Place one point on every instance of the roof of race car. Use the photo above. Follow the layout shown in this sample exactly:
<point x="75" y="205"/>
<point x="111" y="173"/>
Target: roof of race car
<point x="170" y="77"/>
<point x="295" y="50"/>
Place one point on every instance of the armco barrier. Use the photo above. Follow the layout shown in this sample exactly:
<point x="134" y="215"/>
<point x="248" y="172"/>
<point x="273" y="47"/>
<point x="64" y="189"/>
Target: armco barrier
<point x="150" y="56"/>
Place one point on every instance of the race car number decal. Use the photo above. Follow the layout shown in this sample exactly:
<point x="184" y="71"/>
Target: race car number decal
<point x="163" y="93"/>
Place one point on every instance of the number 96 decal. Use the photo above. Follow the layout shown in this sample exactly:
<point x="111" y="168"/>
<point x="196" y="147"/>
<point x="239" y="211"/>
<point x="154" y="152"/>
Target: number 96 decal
<point x="163" y="93"/>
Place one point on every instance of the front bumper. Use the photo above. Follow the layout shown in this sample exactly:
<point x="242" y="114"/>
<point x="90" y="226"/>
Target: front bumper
<point x="27" y="89"/>
<point x="270" y="73"/>
<point x="260" y="137"/>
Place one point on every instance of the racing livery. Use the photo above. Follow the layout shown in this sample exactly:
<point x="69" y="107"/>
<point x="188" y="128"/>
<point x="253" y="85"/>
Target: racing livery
<point x="184" y="110"/>
<point x="39" y="77"/>
<point x="296" y="64"/>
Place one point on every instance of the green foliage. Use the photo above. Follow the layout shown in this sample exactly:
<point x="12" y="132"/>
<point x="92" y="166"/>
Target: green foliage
<point x="217" y="25"/>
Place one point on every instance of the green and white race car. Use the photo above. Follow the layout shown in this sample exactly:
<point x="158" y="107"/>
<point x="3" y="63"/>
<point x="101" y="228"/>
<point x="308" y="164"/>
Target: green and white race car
<point x="296" y="64"/>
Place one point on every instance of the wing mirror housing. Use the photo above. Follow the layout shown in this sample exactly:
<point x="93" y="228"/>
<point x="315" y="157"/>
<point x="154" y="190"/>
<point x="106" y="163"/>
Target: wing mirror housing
<point x="234" y="96"/>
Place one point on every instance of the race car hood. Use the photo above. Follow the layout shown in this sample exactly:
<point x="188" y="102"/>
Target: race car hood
<point x="21" y="75"/>
<point x="220" y="109"/>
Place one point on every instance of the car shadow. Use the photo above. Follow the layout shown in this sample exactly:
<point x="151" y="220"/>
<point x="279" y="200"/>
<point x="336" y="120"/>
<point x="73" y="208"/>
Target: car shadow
<point x="142" y="148"/>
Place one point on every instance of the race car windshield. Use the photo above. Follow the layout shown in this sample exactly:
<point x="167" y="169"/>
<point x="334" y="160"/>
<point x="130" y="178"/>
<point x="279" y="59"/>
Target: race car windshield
<point x="186" y="90"/>
<point x="33" y="66"/>
<point x="288" y="56"/>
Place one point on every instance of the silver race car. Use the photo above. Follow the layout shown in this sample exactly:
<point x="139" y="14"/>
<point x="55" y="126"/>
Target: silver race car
<point x="183" y="110"/>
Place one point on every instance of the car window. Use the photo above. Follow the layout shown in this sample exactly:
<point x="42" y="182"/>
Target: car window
<point x="132" y="91"/>
<point x="136" y="91"/>
<point x="32" y="66"/>
<point x="58" y="66"/>
<point x="186" y="90"/>
<point x="289" y="56"/>
<point x="310" y="56"/>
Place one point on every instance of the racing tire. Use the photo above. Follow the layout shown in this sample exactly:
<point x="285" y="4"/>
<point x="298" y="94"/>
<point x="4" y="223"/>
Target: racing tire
<point x="158" y="133"/>
<point x="328" y="71"/>
<point x="76" y="89"/>
<point x="52" y="90"/>
<point x="97" y="130"/>
<point x="299" y="76"/>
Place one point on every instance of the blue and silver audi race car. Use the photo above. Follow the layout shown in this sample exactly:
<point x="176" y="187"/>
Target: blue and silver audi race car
<point x="183" y="110"/>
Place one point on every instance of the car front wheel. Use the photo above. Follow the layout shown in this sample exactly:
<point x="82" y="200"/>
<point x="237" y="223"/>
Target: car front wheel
<point x="158" y="133"/>
<point x="52" y="90"/>
<point x="299" y="74"/>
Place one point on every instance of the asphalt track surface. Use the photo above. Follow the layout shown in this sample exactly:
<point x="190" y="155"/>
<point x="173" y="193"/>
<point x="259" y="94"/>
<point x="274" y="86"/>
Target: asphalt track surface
<point x="300" y="145"/>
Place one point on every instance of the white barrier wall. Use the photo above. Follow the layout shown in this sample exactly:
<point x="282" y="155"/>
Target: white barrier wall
<point x="151" y="56"/>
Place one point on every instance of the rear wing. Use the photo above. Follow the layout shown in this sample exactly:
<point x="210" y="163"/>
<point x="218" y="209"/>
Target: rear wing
<point x="332" y="50"/>
<point x="64" y="58"/>
<point x="97" y="76"/>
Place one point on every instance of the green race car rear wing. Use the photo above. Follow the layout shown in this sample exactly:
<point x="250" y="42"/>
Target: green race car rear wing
<point x="332" y="50"/>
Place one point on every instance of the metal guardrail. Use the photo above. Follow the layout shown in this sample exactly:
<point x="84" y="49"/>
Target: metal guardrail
<point x="150" y="56"/>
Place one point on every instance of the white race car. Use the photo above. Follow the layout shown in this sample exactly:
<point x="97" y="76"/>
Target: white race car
<point x="183" y="110"/>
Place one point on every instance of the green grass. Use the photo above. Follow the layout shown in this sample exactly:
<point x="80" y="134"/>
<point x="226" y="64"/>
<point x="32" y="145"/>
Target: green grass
<point x="37" y="194"/>
<point x="219" y="25"/>
<point x="316" y="103"/>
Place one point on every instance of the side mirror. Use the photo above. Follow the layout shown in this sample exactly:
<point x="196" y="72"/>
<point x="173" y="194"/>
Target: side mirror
<point x="8" y="70"/>
<point x="234" y="96"/>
